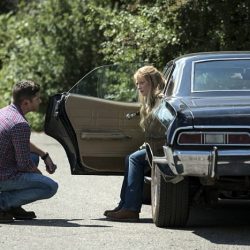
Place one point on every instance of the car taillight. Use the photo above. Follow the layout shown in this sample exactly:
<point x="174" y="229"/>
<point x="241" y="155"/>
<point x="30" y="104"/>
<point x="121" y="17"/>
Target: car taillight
<point x="238" y="139"/>
<point x="190" y="138"/>
<point x="214" y="138"/>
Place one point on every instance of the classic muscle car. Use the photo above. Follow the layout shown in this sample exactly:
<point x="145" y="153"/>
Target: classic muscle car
<point x="200" y="148"/>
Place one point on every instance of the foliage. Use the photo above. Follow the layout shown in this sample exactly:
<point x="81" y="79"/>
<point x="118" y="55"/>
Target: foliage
<point x="157" y="31"/>
<point x="56" y="42"/>
<point x="7" y="6"/>
<point x="145" y="33"/>
<point x="36" y="120"/>
<point x="51" y="45"/>
<point x="50" y="42"/>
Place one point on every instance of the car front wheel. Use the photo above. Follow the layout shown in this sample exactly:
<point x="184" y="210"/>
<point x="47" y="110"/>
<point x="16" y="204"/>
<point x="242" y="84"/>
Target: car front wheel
<point x="170" y="202"/>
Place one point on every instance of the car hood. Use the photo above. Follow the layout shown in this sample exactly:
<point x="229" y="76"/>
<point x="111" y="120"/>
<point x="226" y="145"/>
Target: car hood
<point x="219" y="111"/>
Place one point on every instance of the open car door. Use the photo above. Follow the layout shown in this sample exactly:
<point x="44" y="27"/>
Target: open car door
<point x="97" y="121"/>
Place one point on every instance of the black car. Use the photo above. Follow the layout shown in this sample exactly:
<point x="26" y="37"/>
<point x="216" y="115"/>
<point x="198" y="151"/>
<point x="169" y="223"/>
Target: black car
<point x="200" y="148"/>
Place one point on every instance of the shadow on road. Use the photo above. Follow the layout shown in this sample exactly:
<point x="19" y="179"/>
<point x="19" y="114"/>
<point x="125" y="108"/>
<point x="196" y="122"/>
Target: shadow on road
<point x="143" y="220"/>
<point x="53" y="223"/>
<point x="227" y="223"/>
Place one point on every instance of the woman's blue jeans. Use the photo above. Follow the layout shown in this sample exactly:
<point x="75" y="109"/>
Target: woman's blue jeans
<point x="132" y="186"/>
<point x="27" y="188"/>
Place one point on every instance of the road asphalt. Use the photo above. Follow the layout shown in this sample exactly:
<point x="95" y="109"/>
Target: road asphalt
<point x="73" y="218"/>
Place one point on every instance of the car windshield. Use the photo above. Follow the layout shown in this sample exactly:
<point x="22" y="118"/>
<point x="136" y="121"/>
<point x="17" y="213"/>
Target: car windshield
<point x="221" y="75"/>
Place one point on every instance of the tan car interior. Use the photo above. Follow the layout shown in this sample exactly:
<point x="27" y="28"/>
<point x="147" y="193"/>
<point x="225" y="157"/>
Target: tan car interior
<point x="104" y="134"/>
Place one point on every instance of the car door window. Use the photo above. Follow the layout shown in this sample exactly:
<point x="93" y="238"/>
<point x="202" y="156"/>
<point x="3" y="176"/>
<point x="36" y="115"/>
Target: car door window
<point x="109" y="82"/>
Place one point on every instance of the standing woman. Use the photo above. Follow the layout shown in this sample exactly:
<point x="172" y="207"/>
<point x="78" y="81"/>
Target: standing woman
<point x="150" y="83"/>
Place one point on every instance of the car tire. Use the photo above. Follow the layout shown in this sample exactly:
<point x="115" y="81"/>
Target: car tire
<point x="170" y="202"/>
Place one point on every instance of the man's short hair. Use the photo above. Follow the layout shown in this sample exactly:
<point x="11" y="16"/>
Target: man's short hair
<point x="25" y="89"/>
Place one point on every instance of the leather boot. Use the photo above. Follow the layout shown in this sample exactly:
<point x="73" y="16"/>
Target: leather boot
<point x="20" y="214"/>
<point x="124" y="215"/>
<point x="113" y="210"/>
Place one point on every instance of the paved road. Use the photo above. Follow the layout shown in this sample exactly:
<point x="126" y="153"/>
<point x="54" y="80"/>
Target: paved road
<point x="73" y="219"/>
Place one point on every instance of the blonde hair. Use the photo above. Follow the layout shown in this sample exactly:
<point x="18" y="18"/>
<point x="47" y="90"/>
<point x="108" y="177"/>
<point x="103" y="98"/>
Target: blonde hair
<point x="157" y="83"/>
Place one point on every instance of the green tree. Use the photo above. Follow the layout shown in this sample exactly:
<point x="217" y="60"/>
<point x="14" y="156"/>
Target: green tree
<point x="52" y="42"/>
<point x="142" y="32"/>
<point x="56" y="42"/>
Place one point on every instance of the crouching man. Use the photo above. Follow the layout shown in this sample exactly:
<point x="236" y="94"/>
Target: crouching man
<point x="20" y="180"/>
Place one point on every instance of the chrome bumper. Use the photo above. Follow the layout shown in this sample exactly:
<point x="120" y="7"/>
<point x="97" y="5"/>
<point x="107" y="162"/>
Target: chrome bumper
<point x="204" y="163"/>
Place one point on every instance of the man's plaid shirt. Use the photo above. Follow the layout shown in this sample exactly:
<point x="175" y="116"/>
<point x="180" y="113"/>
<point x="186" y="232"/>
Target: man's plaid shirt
<point x="14" y="143"/>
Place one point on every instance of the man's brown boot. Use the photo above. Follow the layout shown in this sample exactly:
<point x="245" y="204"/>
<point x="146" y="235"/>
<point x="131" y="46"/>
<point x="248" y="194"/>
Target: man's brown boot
<point x="124" y="215"/>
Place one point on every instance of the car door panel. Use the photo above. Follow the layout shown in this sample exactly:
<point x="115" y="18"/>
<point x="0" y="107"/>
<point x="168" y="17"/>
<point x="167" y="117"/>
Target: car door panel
<point x="104" y="134"/>
<point x="94" y="131"/>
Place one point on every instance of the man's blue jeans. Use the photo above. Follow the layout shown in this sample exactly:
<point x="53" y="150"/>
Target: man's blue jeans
<point x="132" y="186"/>
<point x="26" y="188"/>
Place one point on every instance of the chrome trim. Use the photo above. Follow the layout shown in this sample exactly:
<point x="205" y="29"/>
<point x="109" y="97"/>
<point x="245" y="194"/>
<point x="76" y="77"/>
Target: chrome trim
<point x="191" y="163"/>
<point x="90" y="72"/>
<point x="231" y="152"/>
<point x="222" y="126"/>
<point x="214" y="162"/>
<point x="100" y="135"/>
<point x="170" y="124"/>
<point x="149" y="155"/>
<point x="174" y="180"/>
<point x="226" y="90"/>
<point x="206" y="127"/>
<point x="180" y="128"/>
<point x="170" y="159"/>
<point x="147" y="179"/>
<point x="209" y="60"/>
<point x="205" y="163"/>
<point x="225" y="134"/>
<point x="222" y="59"/>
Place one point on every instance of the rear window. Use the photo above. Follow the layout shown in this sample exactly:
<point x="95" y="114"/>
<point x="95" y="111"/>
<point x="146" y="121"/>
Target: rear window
<point x="221" y="75"/>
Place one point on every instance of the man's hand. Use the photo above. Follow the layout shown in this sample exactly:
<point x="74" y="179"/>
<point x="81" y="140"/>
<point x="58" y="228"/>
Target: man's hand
<point x="50" y="166"/>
